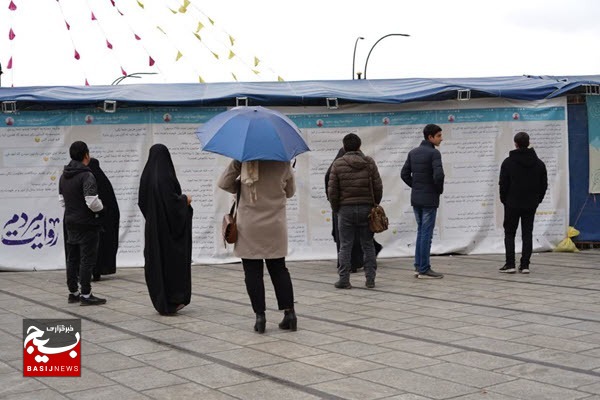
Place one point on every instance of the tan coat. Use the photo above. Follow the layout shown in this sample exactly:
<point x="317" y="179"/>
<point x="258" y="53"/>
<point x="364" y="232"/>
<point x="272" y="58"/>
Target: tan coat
<point x="262" y="224"/>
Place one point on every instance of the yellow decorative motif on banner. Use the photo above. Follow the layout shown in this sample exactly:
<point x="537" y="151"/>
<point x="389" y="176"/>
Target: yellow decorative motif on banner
<point x="179" y="55"/>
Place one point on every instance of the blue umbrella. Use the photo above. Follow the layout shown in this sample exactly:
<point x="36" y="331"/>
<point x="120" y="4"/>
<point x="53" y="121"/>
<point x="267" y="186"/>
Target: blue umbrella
<point x="252" y="133"/>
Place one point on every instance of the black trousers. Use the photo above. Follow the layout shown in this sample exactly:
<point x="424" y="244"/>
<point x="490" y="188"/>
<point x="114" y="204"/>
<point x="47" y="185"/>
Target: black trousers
<point x="511" y="222"/>
<point x="280" y="276"/>
<point x="81" y="253"/>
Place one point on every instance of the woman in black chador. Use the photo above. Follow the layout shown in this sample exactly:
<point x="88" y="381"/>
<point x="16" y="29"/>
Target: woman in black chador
<point x="168" y="233"/>
<point x="106" y="263"/>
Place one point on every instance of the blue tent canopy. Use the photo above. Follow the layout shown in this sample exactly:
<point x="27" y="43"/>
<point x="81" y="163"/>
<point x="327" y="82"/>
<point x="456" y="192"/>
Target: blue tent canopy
<point x="302" y="92"/>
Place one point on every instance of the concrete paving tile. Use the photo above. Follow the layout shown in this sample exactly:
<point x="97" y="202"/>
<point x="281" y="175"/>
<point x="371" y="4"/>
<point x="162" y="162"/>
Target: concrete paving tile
<point x="526" y="389"/>
<point x="421" y="348"/>
<point x="132" y="347"/>
<point x="248" y="336"/>
<point x="203" y="327"/>
<point x="186" y="391"/>
<point x="487" y="395"/>
<point x="87" y="380"/>
<point x="438" y="323"/>
<point x="249" y="358"/>
<point x="401" y="359"/>
<point x="170" y="360"/>
<point x="480" y="360"/>
<point x="300" y="373"/>
<point x="266" y="390"/>
<point x="104" y="334"/>
<point x="340" y="363"/>
<point x="570" y="345"/>
<point x="108" y="393"/>
<point x="45" y="394"/>
<point x="106" y="362"/>
<point x="495" y="345"/>
<point x="407" y="396"/>
<point x="13" y="383"/>
<point x="554" y="376"/>
<point x="356" y="389"/>
<point x="215" y="376"/>
<point x="144" y="378"/>
<point x="365" y="336"/>
<point x="383" y="324"/>
<point x="562" y="332"/>
<point x="353" y="348"/>
<point x="573" y="360"/>
<point x="440" y="335"/>
<point x="306" y="337"/>
<point x="207" y="345"/>
<point x="422" y="385"/>
<point x="470" y="376"/>
<point x="289" y="350"/>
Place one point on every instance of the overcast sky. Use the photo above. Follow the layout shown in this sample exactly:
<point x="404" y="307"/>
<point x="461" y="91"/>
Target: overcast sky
<point x="294" y="40"/>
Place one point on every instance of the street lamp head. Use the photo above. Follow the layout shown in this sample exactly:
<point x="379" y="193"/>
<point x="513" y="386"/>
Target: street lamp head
<point x="379" y="40"/>
<point x="354" y="54"/>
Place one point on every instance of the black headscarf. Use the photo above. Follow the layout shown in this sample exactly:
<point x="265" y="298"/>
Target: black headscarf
<point x="167" y="233"/>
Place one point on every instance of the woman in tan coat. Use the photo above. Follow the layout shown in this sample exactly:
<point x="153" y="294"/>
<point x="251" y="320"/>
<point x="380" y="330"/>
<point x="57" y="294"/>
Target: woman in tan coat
<point x="262" y="232"/>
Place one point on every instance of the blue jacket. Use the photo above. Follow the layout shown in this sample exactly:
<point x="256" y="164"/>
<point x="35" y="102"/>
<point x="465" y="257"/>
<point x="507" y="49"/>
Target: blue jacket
<point x="424" y="173"/>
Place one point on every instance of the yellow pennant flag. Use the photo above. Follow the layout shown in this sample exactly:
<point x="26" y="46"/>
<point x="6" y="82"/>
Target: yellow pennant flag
<point x="256" y="72"/>
<point x="200" y="79"/>
<point x="234" y="77"/>
<point x="231" y="54"/>
<point x="256" y="61"/>
<point x="173" y="11"/>
<point x="215" y="54"/>
<point x="200" y="26"/>
<point x="279" y="79"/>
<point x="160" y="29"/>
<point x="231" y="39"/>
<point x="179" y="55"/>
<point x="182" y="9"/>
<point x="140" y="4"/>
<point x="198" y="36"/>
<point x="211" y="21"/>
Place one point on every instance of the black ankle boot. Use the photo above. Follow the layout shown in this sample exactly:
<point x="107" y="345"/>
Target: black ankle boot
<point x="289" y="321"/>
<point x="261" y="322"/>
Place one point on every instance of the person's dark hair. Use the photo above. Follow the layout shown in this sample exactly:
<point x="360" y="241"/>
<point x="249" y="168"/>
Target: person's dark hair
<point x="522" y="140"/>
<point x="430" y="130"/>
<point x="78" y="150"/>
<point x="351" y="142"/>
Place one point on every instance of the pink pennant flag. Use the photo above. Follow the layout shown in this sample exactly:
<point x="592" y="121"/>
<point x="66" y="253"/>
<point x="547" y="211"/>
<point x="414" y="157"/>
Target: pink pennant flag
<point x="109" y="45"/>
<point x="137" y="37"/>
<point x="113" y="3"/>
<point x="11" y="34"/>
<point x="150" y="61"/>
<point x="86" y="82"/>
<point x="123" y="72"/>
<point x="93" y="16"/>
<point x="68" y="26"/>
<point x="9" y="66"/>
<point x="12" y="6"/>
<point x="76" y="55"/>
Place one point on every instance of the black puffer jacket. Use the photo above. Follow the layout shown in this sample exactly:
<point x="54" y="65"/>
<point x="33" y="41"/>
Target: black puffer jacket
<point x="424" y="173"/>
<point x="349" y="181"/>
<point x="77" y="182"/>
<point x="523" y="179"/>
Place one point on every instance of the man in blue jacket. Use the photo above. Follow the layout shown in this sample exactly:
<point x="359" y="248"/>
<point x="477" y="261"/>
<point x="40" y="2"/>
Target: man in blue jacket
<point x="523" y="184"/>
<point x="424" y="173"/>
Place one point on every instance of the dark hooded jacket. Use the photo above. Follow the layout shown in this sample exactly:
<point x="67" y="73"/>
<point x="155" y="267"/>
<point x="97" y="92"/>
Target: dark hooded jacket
<point x="77" y="182"/>
<point x="350" y="181"/>
<point x="424" y="173"/>
<point x="523" y="179"/>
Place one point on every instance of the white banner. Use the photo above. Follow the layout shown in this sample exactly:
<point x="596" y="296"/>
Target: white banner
<point x="477" y="137"/>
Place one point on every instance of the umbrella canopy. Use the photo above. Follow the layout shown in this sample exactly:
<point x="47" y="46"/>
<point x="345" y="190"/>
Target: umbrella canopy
<point x="252" y="133"/>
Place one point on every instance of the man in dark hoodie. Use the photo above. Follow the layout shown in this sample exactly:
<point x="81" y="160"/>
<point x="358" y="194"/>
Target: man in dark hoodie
<point x="523" y="184"/>
<point x="78" y="194"/>
<point x="424" y="173"/>
<point x="354" y="185"/>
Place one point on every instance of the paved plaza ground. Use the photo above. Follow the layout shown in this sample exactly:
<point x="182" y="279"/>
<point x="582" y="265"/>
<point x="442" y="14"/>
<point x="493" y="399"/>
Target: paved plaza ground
<point x="476" y="334"/>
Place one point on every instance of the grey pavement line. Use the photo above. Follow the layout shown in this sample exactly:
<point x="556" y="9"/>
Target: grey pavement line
<point x="595" y="257"/>
<point x="239" y="368"/>
<point x="418" y="338"/>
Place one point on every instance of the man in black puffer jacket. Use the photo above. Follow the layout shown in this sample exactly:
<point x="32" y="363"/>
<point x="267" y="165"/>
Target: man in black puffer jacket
<point x="78" y="194"/>
<point x="523" y="184"/>
<point x="424" y="173"/>
<point x="354" y="185"/>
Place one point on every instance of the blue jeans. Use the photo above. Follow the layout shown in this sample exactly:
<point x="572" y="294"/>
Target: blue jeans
<point x="425" y="223"/>
<point x="354" y="220"/>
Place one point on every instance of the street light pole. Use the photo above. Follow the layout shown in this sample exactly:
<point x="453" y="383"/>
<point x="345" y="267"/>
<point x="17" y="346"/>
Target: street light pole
<point x="380" y="39"/>
<point x="354" y="54"/>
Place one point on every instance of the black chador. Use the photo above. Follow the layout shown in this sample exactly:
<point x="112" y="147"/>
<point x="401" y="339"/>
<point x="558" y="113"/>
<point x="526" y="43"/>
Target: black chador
<point x="109" y="235"/>
<point x="168" y="233"/>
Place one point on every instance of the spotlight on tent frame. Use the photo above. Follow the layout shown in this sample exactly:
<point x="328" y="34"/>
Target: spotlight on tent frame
<point x="110" y="106"/>
<point x="241" y="102"/>
<point x="332" y="103"/>
<point x="9" y="107"/>
<point x="463" y="94"/>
